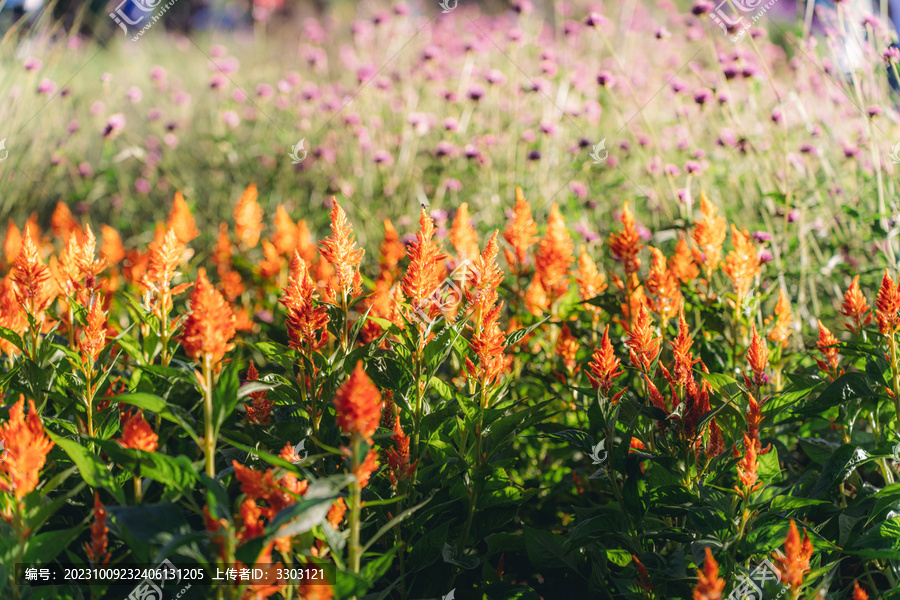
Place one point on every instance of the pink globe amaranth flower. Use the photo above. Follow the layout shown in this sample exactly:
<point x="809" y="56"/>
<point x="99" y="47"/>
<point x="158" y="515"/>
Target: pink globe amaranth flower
<point x="703" y="96"/>
<point x="181" y="98"/>
<point x="239" y="96"/>
<point x="528" y="136"/>
<point x="762" y="237"/>
<point x="142" y="186"/>
<point x="217" y="81"/>
<point x="74" y="43"/>
<point x="401" y="9"/>
<point x="595" y="20"/>
<point x="454" y="185"/>
<point x="606" y="79"/>
<point x="776" y="116"/>
<point x="227" y="66"/>
<point x="231" y="118"/>
<point x="793" y="216"/>
<point x="46" y="87"/>
<point x="662" y="33"/>
<point x="264" y="90"/>
<point x="579" y="189"/>
<point x="548" y="128"/>
<point x="218" y="51"/>
<point x="366" y="72"/>
<point x="678" y="85"/>
<point x="515" y="35"/>
<point x="383" y="157"/>
<point x="85" y="169"/>
<point x="97" y="108"/>
<point x="451" y="124"/>
<point x="32" y="64"/>
<point x="158" y="73"/>
<point x="134" y="94"/>
<point x="284" y="86"/>
<point x="444" y="148"/>
<point x="171" y="140"/>
<point x="72" y="127"/>
<point x="673" y="170"/>
<point x="692" y="167"/>
<point x="523" y="7"/>
<point x="495" y="77"/>
<point x="114" y="125"/>
<point x="874" y="110"/>
<point x="891" y="54"/>
<point x="476" y="93"/>
<point x="765" y="256"/>
<point x="106" y="77"/>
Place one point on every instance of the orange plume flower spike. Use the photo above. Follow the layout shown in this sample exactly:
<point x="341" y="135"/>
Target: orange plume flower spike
<point x="827" y="345"/>
<point x="306" y="319"/>
<point x="793" y="563"/>
<point x="181" y="221"/>
<point x="709" y="584"/>
<point x="682" y="263"/>
<point x="887" y="305"/>
<point x="209" y="329"/>
<point x="32" y="278"/>
<point x="781" y="332"/>
<point x="758" y="357"/>
<point x="644" y="348"/>
<point x="26" y="448"/>
<point x="626" y="244"/>
<point x="604" y="366"/>
<point x="554" y="256"/>
<point x="520" y="233"/>
<point x="425" y="271"/>
<point x="341" y="252"/>
<point x="742" y="263"/>
<point x="248" y="215"/>
<point x="358" y="404"/>
<point x="138" y="435"/>
<point x="855" y="307"/>
<point x="591" y="282"/>
<point x="709" y="234"/>
<point x="96" y="549"/>
<point x="463" y="235"/>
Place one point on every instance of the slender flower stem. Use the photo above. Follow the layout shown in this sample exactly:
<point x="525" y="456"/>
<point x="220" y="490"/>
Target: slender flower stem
<point x="355" y="506"/>
<point x="207" y="385"/>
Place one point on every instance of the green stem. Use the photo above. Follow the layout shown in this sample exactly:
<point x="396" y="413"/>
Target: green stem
<point x="355" y="506"/>
<point x="208" y="416"/>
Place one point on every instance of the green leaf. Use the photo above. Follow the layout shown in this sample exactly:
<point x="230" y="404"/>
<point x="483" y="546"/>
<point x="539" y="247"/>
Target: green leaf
<point x="838" y="468"/>
<point x="847" y="387"/>
<point x="547" y="550"/>
<point x="92" y="469"/>
<point x="427" y="549"/>
<point x="44" y="547"/>
<point x="881" y="542"/>
<point x="157" y="405"/>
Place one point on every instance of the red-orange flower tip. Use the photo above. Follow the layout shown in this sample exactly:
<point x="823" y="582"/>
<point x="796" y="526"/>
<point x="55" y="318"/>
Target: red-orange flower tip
<point x="709" y="584"/>
<point x="358" y="404"/>
<point x="209" y="328"/>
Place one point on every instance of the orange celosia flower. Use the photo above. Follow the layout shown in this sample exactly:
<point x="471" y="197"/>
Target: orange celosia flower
<point x="626" y="244"/>
<point x="26" y="447"/>
<point x="463" y="235"/>
<point x="306" y="247"/>
<point x="742" y="263"/>
<point x="32" y="278"/>
<point x="655" y="396"/>
<point x="489" y="345"/>
<point x="661" y="282"/>
<point x="96" y="549"/>
<point x="259" y="411"/>
<point x="336" y="513"/>
<point x="591" y="282"/>
<point x="643" y="347"/>
<point x="11" y="314"/>
<point x="887" y="305"/>
<point x="859" y="593"/>
<point x="747" y="468"/>
<point x="111" y="249"/>
<point x="520" y="234"/>
<point x="62" y="224"/>
<point x="716" y="444"/>
<point x="358" y="404"/>
<point x="682" y="263"/>
<point x="536" y="298"/>
<point x="423" y="276"/>
<point x="826" y="344"/>
<point x="681" y="350"/>
<point x="567" y="347"/>
<point x="248" y="216"/>
<point x="392" y="251"/>
<point x="644" y="582"/>
<point x="781" y="332"/>
<point x="758" y="357"/>
<point x="93" y="336"/>
<point x="486" y="277"/>
<point x="270" y="266"/>
<point x="398" y="456"/>
<point x="285" y="236"/>
<point x="257" y="485"/>
<point x="855" y="307"/>
<point x="138" y="435"/>
<point x="209" y="328"/>
<point x="181" y="221"/>
<point x="709" y="234"/>
<point x="162" y="268"/>
<point x="793" y="564"/>
<point x="604" y="366"/>
<point x="709" y="584"/>
<point x="305" y="320"/>
<point x="12" y="243"/>
<point x="340" y="250"/>
<point x="554" y="255"/>
<point x="364" y="470"/>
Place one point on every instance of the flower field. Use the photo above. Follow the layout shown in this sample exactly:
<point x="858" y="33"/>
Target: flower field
<point x="581" y="301"/>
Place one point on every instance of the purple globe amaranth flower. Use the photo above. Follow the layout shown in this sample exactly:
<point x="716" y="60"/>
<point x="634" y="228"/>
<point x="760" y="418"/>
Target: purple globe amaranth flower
<point x="579" y="189"/>
<point x="158" y="73"/>
<point x="612" y="161"/>
<point x="181" y="98"/>
<point x="471" y="151"/>
<point x="401" y="9"/>
<point x="777" y="116"/>
<point x="46" y="86"/>
<point x="264" y="90"/>
<point x="874" y="110"/>
<point x="476" y="93"/>
<point x="571" y="28"/>
<point x="793" y="216"/>
<point x="692" y="167"/>
<point x="606" y="79"/>
<point x="678" y="85"/>
<point x="662" y="33"/>
<point x="114" y="125"/>
<point x="595" y="20"/>
<point x="154" y="114"/>
<point x="515" y="35"/>
<point x="381" y="17"/>
<point x="32" y="64"/>
<point x="366" y="72"/>
<point x="72" y="127"/>
<point x="644" y="233"/>
<point x="239" y="95"/>
<point x="683" y="195"/>
<point x="454" y="185"/>
<point x="673" y="170"/>
<point x="444" y="148"/>
<point x="548" y="128"/>
<point x="495" y="77"/>
<point x="523" y="7"/>
<point x="440" y="216"/>
<point x="850" y="150"/>
<point x="807" y="148"/>
<point x="891" y="54"/>
<point x="702" y="7"/>
<point x="534" y="155"/>
<point x="765" y="256"/>
<point x="85" y="169"/>
<point x="528" y="136"/>
<point x="228" y="66"/>
<point x="762" y="237"/>
<point x="549" y="68"/>
<point x="703" y="96"/>
<point x="723" y="97"/>
<point x="142" y="186"/>
<point x="451" y="124"/>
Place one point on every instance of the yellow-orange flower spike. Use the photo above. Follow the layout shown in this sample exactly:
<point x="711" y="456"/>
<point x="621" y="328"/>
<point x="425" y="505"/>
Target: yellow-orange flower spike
<point x="855" y="307"/>
<point x="781" y="332"/>
<point x="305" y="320"/>
<point x="340" y="250"/>
<point x="887" y="305"/>
<point x="827" y="345"/>
<point x="682" y="370"/>
<point x="423" y="276"/>
<point x="12" y="243"/>
<point x="209" y="328"/>
<point x="463" y="235"/>
<point x="591" y="282"/>
<point x="62" y="224"/>
<point x="709" y="584"/>
<point x="489" y="345"/>
<point x="567" y="348"/>
<point x="248" y="215"/>
<point x="111" y="249"/>
<point x="520" y="233"/>
<point x="747" y="468"/>
<point x="758" y="357"/>
<point x="486" y="277"/>
<point x="859" y="593"/>
<point x="357" y="404"/>
<point x="604" y="366"/>
<point x="644" y="348"/>
<point x="32" y="278"/>
<point x="138" y="435"/>
<point x="26" y="448"/>
<point x="93" y="336"/>
<point x="682" y="263"/>
<point x="392" y="251"/>
<point x="626" y="244"/>
<point x="554" y="255"/>
<point x="181" y="221"/>
<point x="742" y="263"/>
<point x="793" y="563"/>
<point x="709" y="233"/>
<point x="285" y="235"/>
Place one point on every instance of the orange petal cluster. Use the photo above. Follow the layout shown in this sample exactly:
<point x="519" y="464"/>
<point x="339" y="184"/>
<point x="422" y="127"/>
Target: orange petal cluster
<point x="181" y="221"/>
<point x="604" y="366"/>
<point x="32" y="278"/>
<point x="520" y="233"/>
<point x="248" y="216"/>
<point x="26" y="448"/>
<point x="887" y="306"/>
<point x="209" y="329"/>
<point x="709" y="234"/>
<point x="426" y="268"/>
<point x="138" y="435"/>
<point x="341" y="252"/>
<point x="306" y="318"/>
<point x="643" y="347"/>
<point x="855" y="307"/>
<point x="793" y="563"/>
<point x="827" y="344"/>
<point x="463" y="235"/>
<point x="626" y="244"/>
<point x="709" y="584"/>
<point x="96" y="549"/>
<point x="781" y="331"/>
<point x="554" y="256"/>
<point x="259" y="411"/>
<point x="358" y="404"/>
<point x="591" y="282"/>
<point x="742" y="263"/>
